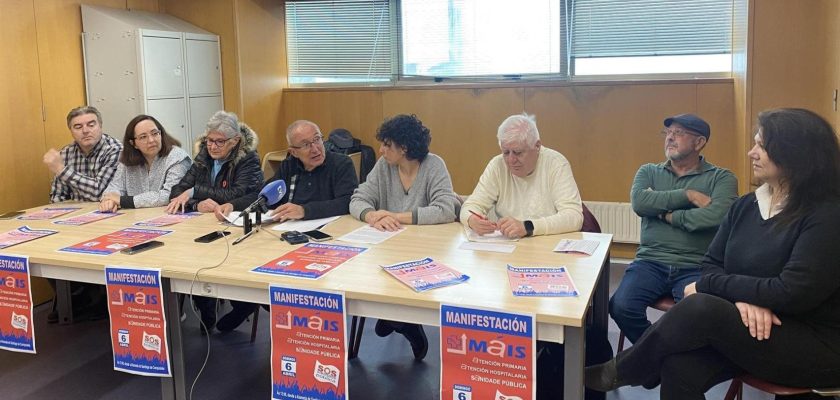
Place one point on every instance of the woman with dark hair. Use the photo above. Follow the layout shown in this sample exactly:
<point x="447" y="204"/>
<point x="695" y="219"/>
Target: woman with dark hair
<point x="151" y="163"/>
<point x="774" y="266"/>
<point x="408" y="185"/>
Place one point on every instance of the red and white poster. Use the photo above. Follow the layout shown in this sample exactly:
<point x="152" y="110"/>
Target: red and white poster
<point x="138" y="326"/>
<point x="87" y="218"/>
<point x="22" y="235"/>
<point x="48" y="213"/>
<point x="425" y="274"/>
<point x="541" y="282"/>
<point x="16" y="327"/>
<point x="486" y="354"/>
<point x="308" y="351"/>
<point x="167" y="219"/>
<point x="115" y="241"/>
<point x="311" y="261"/>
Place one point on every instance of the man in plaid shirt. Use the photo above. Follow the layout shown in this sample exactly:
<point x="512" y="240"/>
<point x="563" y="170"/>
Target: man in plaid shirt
<point x="84" y="168"/>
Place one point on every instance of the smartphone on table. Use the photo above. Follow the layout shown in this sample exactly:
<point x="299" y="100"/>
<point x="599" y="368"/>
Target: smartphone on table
<point x="137" y="248"/>
<point x="211" y="236"/>
<point x="317" y="236"/>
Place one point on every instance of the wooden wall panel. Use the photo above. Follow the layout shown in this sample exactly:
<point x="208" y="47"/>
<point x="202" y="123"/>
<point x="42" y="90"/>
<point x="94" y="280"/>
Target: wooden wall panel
<point x="463" y="123"/>
<point x="741" y="61"/>
<point x="359" y="111"/>
<point x="716" y="104"/>
<point x="218" y="17"/>
<point x="261" y="39"/>
<point x="59" y="25"/>
<point x="607" y="132"/>
<point x="25" y="178"/>
<point x="601" y="129"/>
<point x="791" y="64"/>
<point x="832" y="52"/>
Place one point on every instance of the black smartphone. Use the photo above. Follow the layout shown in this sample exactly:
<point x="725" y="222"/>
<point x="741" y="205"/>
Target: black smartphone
<point x="317" y="236"/>
<point x="212" y="236"/>
<point x="10" y="214"/>
<point x="294" y="237"/>
<point x="142" y="247"/>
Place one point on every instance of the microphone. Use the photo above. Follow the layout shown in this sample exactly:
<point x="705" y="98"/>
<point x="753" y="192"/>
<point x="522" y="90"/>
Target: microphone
<point x="270" y="194"/>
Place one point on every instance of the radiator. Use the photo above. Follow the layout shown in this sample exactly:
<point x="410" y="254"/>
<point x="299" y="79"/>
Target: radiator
<point x="618" y="219"/>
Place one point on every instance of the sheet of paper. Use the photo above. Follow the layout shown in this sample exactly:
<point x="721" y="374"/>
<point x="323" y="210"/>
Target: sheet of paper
<point x="496" y="247"/>
<point x="368" y="234"/>
<point x="234" y="219"/>
<point x="495" y="237"/>
<point x="425" y="274"/>
<point x="541" y="281"/>
<point x="303" y="225"/>
<point x="576" y="246"/>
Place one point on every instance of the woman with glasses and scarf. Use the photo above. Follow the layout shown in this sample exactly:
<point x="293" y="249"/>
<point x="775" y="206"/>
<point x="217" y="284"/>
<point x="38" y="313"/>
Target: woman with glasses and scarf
<point x="227" y="168"/>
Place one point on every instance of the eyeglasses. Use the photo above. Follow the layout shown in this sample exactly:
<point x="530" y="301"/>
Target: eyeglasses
<point x="318" y="139"/>
<point x="216" y="142"/>
<point x="153" y="134"/>
<point x="677" y="133"/>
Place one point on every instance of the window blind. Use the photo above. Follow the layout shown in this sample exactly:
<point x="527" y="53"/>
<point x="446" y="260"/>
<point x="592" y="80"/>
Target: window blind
<point x="339" y="40"/>
<point x="626" y="28"/>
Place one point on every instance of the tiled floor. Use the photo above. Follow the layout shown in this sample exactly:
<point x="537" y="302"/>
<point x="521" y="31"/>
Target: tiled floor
<point x="74" y="362"/>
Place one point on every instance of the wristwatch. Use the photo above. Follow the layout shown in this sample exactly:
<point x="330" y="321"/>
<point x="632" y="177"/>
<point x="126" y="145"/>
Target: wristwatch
<point x="529" y="228"/>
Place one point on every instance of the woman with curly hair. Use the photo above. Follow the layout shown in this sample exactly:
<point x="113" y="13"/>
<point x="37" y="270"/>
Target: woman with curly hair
<point x="408" y="185"/>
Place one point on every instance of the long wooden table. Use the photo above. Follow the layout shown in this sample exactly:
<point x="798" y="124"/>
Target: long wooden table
<point x="370" y="292"/>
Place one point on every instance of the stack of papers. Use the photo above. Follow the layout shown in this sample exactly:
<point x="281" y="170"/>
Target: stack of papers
<point x="495" y="237"/>
<point x="86" y="218"/>
<point x="541" y="282"/>
<point x="587" y="247"/>
<point x="167" y="219"/>
<point x="425" y="274"/>
<point x="303" y="225"/>
<point x="22" y="235"/>
<point x="368" y="234"/>
<point x="48" y="213"/>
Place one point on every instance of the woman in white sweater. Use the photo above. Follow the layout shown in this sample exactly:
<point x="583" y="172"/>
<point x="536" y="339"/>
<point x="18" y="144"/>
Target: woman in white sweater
<point x="151" y="163"/>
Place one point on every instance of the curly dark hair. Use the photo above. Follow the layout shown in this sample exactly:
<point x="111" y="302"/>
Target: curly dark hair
<point x="408" y="132"/>
<point x="803" y="145"/>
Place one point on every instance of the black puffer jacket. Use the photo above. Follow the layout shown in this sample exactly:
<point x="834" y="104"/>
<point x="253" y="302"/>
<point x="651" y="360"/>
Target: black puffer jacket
<point x="240" y="176"/>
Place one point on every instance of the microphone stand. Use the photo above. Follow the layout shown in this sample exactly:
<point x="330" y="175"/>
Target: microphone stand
<point x="247" y="227"/>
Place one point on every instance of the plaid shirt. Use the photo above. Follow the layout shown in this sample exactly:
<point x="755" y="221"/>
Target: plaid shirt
<point x="85" y="177"/>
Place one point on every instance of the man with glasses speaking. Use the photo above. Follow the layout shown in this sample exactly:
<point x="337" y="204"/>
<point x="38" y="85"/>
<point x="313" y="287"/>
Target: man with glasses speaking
<point x="681" y="201"/>
<point x="319" y="183"/>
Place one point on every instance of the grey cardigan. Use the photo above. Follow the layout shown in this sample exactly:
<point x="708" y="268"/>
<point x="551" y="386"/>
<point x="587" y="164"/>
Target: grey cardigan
<point x="139" y="188"/>
<point x="430" y="199"/>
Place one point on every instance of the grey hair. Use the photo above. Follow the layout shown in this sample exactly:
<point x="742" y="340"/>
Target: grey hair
<point x="224" y="122"/>
<point x="520" y="128"/>
<point x="296" y="125"/>
<point x="82" y="111"/>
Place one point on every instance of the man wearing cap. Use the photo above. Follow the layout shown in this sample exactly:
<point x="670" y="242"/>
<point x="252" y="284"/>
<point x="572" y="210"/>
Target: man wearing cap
<point x="681" y="201"/>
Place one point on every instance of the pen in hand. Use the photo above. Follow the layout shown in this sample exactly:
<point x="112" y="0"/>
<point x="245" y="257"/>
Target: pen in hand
<point x="477" y="215"/>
